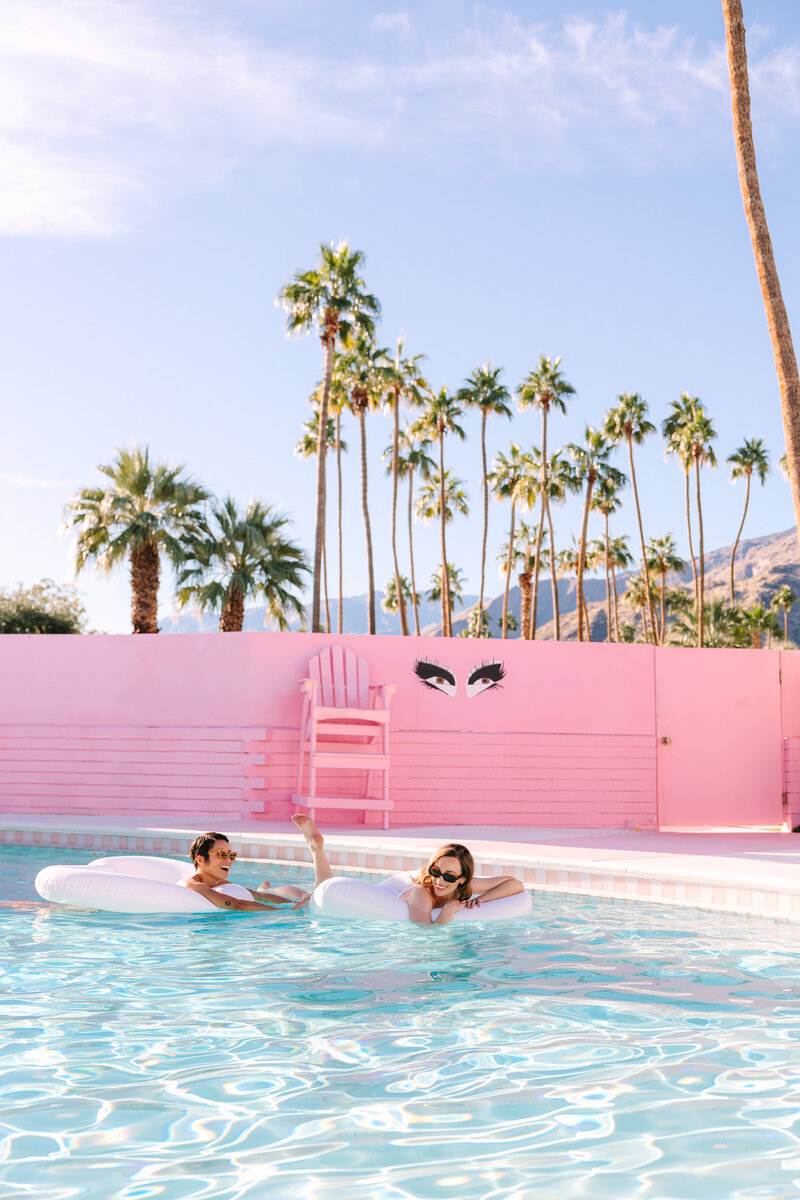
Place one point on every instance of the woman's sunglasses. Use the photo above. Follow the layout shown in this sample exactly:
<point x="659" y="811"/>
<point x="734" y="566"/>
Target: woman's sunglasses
<point x="445" y="875"/>
<point x="224" y="855"/>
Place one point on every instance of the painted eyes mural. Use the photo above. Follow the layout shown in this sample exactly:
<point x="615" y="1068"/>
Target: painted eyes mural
<point x="483" y="678"/>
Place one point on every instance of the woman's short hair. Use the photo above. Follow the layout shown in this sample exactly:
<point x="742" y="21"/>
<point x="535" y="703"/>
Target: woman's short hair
<point x="466" y="862"/>
<point x="203" y="844"/>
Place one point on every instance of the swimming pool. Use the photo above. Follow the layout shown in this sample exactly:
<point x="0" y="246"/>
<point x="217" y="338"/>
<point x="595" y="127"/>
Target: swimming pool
<point x="598" y="1050"/>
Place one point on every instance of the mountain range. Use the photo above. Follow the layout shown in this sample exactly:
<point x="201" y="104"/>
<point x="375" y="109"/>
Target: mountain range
<point x="763" y="564"/>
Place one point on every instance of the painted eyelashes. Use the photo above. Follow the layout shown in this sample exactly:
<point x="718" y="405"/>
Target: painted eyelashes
<point x="435" y="676"/>
<point x="485" y="677"/>
<point x="438" y="678"/>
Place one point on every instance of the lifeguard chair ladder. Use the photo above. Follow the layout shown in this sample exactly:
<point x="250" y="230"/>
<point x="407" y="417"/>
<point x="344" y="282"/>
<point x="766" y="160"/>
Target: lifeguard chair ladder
<point x="344" y="727"/>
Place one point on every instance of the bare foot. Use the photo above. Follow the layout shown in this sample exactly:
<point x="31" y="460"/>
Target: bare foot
<point x="314" y="838"/>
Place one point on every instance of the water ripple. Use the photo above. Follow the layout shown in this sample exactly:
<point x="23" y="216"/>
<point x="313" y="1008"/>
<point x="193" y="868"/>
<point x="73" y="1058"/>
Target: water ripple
<point x="597" y="1052"/>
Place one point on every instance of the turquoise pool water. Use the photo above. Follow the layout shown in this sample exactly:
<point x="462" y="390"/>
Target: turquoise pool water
<point x="597" y="1051"/>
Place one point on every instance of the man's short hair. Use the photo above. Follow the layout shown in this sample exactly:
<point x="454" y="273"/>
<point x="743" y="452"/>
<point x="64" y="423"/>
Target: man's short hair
<point x="204" y="843"/>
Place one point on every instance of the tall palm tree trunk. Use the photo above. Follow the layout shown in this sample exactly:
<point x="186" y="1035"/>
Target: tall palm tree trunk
<point x="329" y="342"/>
<point x="608" y="584"/>
<point x="702" y="567"/>
<point x="582" y="556"/>
<point x="738" y="535"/>
<point x="691" y="546"/>
<point x="232" y="616"/>
<point x="586" y="619"/>
<point x="553" y="573"/>
<point x="509" y="560"/>
<point x="368" y="531"/>
<point x="414" y="600"/>
<point x="445" y="573"/>
<point x="340" y="613"/>
<point x="401" y="600"/>
<point x="540" y="531"/>
<point x="777" y="320"/>
<point x="616" y="602"/>
<point x="325" y="587"/>
<point x="525" y="605"/>
<point x="663" y="608"/>
<point x="535" y="588"/>
<point x="485" y="521"/>
<point x="785" y="622"/>
<point x="145" y="570"/>
<point x="645" y="567"/>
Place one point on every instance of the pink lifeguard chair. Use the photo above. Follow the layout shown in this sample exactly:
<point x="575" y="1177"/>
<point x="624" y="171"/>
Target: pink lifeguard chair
<point x="345" y="727"/>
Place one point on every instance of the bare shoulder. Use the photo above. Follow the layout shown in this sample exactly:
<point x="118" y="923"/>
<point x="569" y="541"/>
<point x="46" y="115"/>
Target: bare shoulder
<point x="418" y="899"/>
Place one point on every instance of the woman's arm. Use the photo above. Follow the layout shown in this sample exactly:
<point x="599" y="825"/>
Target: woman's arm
<point x="230" y="902"/>
<point x="492" y="887"/>
<point x="420" y="904"/>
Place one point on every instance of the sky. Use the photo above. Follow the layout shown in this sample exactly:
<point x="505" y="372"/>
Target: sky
<point x="524" y="179"/>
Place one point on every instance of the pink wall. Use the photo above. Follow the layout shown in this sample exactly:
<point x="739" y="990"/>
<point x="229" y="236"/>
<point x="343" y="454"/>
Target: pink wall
<point x="208" y="724"/>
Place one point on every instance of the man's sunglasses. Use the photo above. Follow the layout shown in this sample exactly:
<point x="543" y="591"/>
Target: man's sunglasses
<point x="445" y="875"/>
<point x="224" y="855"/>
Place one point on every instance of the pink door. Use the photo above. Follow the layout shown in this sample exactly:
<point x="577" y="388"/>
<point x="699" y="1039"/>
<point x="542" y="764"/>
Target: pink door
<point x="718" y="721"/>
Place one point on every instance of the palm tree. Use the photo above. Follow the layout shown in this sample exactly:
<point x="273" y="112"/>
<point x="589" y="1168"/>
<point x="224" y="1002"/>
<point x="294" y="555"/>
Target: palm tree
<point x="440" y="418"/>
<point x="674" y="430"/>
<point x="332" y="298"/>
<point x="507" y="472"/>
<point x="722" y="626"/>
<point x="338" y="402"/>
<point x="628" y="421"/>
<point x="523" y="559"/>
<point x="757" y="620"/>
<point x="545" y="388"/>
<point x="405" y="383"/>
<point x="365" y="370"/>
<point x="662" y="558"/>
<point x="636" y="595"/>
<point x="429" y="498"/>
<point x="699" y="436"/>
<point x="619" y="556"/>
<point x="240" y="555"/>
<point x="415" y="460"/>
<point x="307" y="448"/>
<point x="591" y="465"/>
<point x="606" y="501"/>
<point x="751" y="456"/>
<point x="484" y="391"/>
<point x="454" y="588"/>
<point x="777" y="320"/>
<point x="568" y="561"/>
<point x="390" y="602"/>
<point x="145" y="510"/>
<point x="784" y="598"/>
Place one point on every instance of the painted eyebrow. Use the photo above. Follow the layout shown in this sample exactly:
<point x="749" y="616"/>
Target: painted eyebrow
<point x="488" y="670"/>
<point x="426" y="669"/>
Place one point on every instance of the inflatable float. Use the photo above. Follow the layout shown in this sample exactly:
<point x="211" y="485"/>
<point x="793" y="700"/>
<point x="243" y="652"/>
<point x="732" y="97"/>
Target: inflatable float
<point x="145" y="884"/>
<point x="129" y="884"/>
<point x="355" y="899"/>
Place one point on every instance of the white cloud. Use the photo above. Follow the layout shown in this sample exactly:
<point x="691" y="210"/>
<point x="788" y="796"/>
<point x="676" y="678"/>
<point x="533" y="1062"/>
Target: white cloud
<point x="394" y="22"/>
<point x="105" y="104"/>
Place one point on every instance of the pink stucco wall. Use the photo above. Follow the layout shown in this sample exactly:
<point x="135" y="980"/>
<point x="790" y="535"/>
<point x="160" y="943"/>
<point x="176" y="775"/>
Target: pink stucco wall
<point x="208" y="725"/>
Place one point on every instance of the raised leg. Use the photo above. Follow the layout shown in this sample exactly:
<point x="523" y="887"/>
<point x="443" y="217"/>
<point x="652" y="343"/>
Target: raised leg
<point x="316" y="844"/>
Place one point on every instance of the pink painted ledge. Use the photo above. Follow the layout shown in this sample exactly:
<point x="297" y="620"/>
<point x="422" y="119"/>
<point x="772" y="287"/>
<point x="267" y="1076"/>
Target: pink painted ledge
<point x="749" y="873"/>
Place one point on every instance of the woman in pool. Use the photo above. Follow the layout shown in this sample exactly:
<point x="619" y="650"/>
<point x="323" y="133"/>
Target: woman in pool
<point x="213" y="858"/>
<point x="448" y="882"/>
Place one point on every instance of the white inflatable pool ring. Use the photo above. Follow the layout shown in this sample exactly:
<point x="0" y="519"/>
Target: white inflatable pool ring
<point x="355" y="899"/>
<point x="129" y="884"/>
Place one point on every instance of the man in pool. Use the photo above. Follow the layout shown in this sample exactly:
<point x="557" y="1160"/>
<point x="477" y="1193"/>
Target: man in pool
<point x="213" y="858"/>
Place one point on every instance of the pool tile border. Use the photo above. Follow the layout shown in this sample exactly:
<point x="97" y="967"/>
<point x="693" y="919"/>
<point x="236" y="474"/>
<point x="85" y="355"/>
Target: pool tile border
<point x="759" y="897"/>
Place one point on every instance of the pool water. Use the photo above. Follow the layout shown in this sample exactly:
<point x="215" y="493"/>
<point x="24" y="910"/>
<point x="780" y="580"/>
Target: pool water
<point x="596" y="1050"/>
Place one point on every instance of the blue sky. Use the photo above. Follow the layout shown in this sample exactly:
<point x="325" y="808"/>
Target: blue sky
<point x="523" y="178"/>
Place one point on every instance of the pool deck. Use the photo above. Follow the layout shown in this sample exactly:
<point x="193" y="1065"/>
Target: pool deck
<point x="752" y="872"/>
